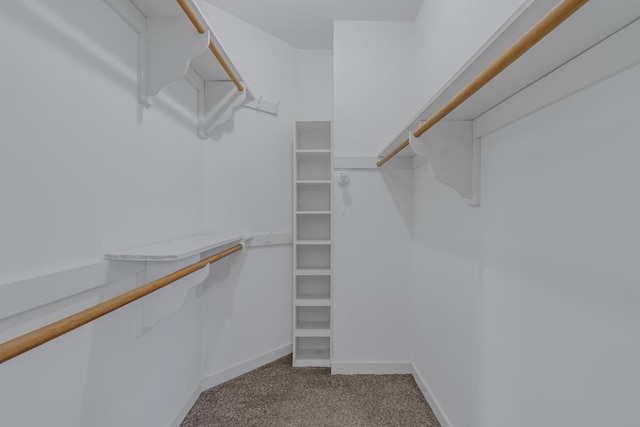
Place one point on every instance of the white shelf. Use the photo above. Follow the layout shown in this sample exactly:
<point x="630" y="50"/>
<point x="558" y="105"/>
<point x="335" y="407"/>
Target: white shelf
<point x="313" y="272"/>
<point x="313" y="242"/>
<point x="313" y="182"/>
<point x="313" y="332"/>
<point x="303" y="362"/>
<point x="313" y="153"/>
<point x="313" y="212"/>
<point x="594" y="22"/>
<point x="172" y="250"/>
<point x="313" y="357"/>
<point x="313" y="301"/>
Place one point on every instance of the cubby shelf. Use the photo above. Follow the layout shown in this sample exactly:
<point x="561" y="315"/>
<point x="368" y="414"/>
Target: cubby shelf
<point x="312" y="244"/>
<point x="313" y="182"/>
<point x="313" y="357"/>
<point x="318" y="152"/>
<point x="313" y="272"/>
<point x="318" y="330"/>
<point x="313" y="301"/>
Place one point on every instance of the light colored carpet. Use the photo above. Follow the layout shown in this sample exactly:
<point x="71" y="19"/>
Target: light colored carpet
<point x="277" y="395"/>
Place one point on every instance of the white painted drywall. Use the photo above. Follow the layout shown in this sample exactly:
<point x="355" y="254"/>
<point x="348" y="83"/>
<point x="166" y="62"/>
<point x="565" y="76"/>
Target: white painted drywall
<point x="316" y="85"/>
<point x="247" y="187"/>
<point x="525" y="308"/>
<point x="448" y="33"/>
<point x="372" y="215"/>
<point x="84" y="169"/>
<point x="374" y="78"/>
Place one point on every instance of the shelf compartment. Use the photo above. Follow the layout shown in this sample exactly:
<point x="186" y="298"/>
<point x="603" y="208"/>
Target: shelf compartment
<point x="313" y="135"/>
<point x="313" y="321"/>
<point x="313" y="288"/>
<point x="313" y="256"/>
<point x="314" y="227"/>
<point x="314" y="197"/>
<point x="312" y="351"/>
<point x="313" y="167"/>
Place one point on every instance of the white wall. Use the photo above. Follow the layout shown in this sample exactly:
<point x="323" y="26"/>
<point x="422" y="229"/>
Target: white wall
<point x="372" y="215"/>
<point x="446" y="292"/>
<point x="84" y="169"/>
<point x="529" y="302"/>
<point x="448" y="33"/>
<point x="247" y="187"/>
<point x="316" y="85"/>
<point x="374" y="79"/>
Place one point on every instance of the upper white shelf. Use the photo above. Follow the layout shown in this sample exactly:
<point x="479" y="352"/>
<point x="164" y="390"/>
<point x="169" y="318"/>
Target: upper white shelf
<point x="172" y="250"/>
<point x="170" y="49"/>
<point x="593" y="23"/>
<point x="205" y="64"/>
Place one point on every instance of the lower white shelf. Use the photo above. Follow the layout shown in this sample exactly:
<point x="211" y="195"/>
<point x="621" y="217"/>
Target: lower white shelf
<point x="313" y="272"/>
<point x="312" y="332"/>
<point x="313" y="301"/>
<point x="313" y="357"/>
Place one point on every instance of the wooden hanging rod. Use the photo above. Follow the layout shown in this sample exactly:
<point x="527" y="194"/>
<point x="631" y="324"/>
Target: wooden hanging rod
<point x="28" y="341"/>
<point x="547" y="24"/>
<point x="212" y="47"/>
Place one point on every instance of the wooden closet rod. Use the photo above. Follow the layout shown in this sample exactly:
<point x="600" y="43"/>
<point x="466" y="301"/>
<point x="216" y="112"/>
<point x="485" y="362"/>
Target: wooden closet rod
<point x="547" y="24"/>
<point x="212" y="47"/>
<point x="28" y="341"/>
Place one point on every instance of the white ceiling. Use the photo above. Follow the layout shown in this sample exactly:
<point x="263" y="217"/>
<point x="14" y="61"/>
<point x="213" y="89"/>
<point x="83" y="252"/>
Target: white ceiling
<point x="308" y="24"/>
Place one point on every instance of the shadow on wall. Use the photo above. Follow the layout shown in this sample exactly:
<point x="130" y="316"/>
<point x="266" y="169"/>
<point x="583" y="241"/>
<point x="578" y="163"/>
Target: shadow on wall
<point x="221" y="286"/>
<point x="96" y="38"/>
<point x="400" y="185"/>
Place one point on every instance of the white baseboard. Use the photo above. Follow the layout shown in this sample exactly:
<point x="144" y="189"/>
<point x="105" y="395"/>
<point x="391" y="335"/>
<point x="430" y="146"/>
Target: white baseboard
<point x="431" y="400"/>
<point x="337" y="368"/>
<point x="245" y="367"/>
<point x="371" y="368"/>
<point x="227" y="375"/>
<point x="187" y="407"/>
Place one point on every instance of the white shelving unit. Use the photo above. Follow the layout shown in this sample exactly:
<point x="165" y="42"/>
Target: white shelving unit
<point x="596" y="42"/>
<point x="312" y="280"/>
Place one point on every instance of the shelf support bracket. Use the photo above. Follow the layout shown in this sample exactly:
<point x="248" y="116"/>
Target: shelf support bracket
<point x="453" y="155"/>
<point x="217" y="103"/>
<point x="168" y="300"/>
<point x="170" y="45"/>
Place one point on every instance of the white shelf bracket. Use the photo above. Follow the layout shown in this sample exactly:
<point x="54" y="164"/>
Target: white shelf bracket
<point x="169" y="46"/>
<point x="264" y="106"/>
<point x="454" y="156"/>
<point x="217" y="103"/>
<point x="168" y="300"/>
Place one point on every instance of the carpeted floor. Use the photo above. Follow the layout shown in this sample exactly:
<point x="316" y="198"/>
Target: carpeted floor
<point x="277" y="395"/>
